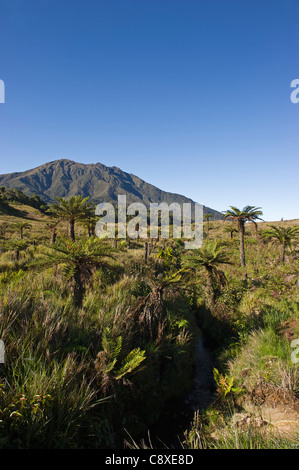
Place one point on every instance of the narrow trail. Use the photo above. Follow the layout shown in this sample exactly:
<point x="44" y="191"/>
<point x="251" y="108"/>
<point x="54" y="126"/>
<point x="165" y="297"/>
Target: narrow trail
<point x="202" y="393"/>
<point x="179" y="414"/>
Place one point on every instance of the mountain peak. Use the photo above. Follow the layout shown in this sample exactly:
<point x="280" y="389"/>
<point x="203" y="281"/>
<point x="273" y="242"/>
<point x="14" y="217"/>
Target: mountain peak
<point x="65" y="178"/>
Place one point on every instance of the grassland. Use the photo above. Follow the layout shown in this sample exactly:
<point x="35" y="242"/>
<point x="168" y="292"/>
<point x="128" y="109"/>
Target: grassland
<point x="89" y="376"/>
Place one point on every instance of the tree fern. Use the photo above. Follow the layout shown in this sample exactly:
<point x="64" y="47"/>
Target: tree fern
<point x="286" y="236"/>
<point x="75" y="208"/>
<point x="248" y="213"/>
<point x="77" y="261"/>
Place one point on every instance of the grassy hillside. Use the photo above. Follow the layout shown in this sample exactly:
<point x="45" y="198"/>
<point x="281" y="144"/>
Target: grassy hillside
<point x="92" y="374"/>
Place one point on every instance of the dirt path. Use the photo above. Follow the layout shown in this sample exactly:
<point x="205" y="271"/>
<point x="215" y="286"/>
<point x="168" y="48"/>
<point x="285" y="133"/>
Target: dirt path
<point x="202" y="392"/>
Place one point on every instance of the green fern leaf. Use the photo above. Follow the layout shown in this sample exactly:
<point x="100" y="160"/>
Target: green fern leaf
<point x="130" y="363"/>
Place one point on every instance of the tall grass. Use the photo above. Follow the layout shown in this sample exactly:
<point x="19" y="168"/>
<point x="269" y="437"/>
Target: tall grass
<point x="51" y="385"/>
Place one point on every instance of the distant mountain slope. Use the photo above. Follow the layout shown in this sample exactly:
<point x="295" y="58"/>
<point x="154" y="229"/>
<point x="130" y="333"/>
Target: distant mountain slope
<point x="64" y="178"/>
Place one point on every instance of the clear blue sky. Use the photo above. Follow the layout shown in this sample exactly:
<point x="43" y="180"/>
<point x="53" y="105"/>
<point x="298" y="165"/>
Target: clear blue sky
<point x="192" y="96"/>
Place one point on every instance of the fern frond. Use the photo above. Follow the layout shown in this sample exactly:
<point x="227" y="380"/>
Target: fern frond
<point x="111" y="346"/>
<point x="130" y="363"/>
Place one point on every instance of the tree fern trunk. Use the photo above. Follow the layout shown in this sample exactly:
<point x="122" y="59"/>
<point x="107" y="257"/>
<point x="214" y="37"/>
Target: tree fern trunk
<point x="145" y="252"/>
<point x="283" y="253"/>
<point x="241" y="227"/>
<point x="210" y="289"/>
<point x="72" y="229"/>
<point x="77" y="289"/>
<point x="53" y="238"/>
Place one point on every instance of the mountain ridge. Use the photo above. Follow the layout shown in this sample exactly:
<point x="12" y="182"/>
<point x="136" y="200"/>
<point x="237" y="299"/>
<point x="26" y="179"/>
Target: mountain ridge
<point x="65" y="178"/>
